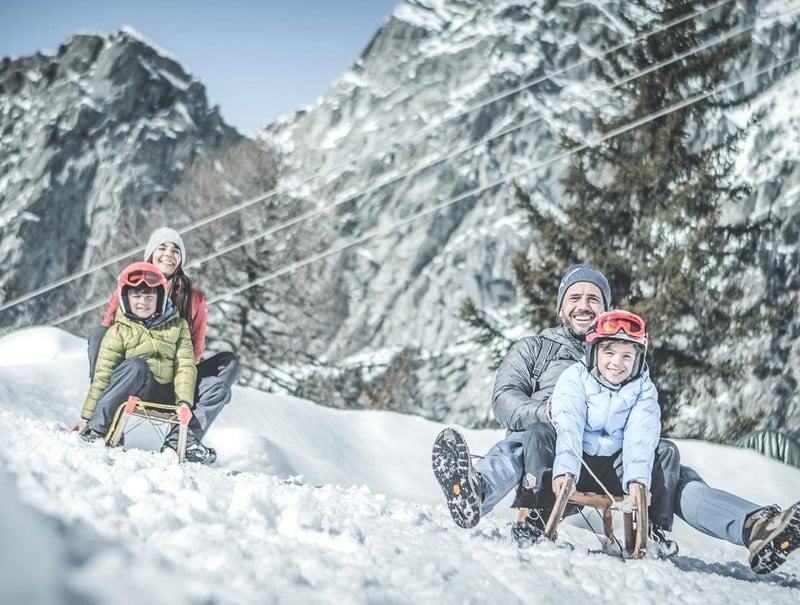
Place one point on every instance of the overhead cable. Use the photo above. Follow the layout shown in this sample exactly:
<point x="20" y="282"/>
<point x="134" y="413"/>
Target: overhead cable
<point x="417" y="134"/>
<point x="377" y="232"/>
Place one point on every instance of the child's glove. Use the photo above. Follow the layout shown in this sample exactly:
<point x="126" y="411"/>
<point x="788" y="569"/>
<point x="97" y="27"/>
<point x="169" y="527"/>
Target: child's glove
<point x="627" y="504"/>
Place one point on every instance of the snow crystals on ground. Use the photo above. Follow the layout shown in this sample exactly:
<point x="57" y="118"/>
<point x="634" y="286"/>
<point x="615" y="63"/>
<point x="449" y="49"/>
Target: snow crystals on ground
<point x="307" y="505"/>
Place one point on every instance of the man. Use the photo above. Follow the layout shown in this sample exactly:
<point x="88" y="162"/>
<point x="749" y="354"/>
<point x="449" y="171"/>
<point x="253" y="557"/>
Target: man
<point x="523" y="385"/>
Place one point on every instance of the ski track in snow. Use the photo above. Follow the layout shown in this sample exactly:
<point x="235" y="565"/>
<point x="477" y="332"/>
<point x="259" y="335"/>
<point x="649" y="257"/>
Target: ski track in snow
<point x="88" y="524"/>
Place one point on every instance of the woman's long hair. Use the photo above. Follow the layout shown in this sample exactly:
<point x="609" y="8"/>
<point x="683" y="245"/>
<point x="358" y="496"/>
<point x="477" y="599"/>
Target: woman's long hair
<point x="181" y="293"/>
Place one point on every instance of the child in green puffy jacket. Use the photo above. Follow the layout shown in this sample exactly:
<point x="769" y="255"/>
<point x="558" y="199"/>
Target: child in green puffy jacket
<point x="148" y="353"/>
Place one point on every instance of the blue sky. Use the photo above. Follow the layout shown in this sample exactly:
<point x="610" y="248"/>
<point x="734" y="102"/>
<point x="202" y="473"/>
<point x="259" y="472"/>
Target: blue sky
<point x="257" y="59"/>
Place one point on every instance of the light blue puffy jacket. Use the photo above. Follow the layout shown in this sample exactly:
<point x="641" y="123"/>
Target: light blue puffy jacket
<point x="600" y="420"/>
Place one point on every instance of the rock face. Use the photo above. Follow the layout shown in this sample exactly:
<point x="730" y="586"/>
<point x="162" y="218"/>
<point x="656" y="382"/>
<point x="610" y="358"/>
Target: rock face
<point x="447" y="106"/>
<point x="405" y="171"/>
<point x="91" y="137"/>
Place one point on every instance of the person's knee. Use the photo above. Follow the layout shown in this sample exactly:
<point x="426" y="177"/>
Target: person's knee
<point x="688" y="475"/>
<point x="134" y="368"/>
<point x="229" y="359"/>
<point x="133" y="365"/>
<point x="230" y="371"/>
<point x="132" y="375"/>
<point x="538" y="430"/>
<point x="224" y="365"/>
<point x="213" y="391"/>
<point x="668" y="455"/>
<point x="538" y="436"/>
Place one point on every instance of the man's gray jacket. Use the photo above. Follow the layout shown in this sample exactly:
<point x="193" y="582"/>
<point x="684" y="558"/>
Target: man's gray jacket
<point x="526" y="377"/>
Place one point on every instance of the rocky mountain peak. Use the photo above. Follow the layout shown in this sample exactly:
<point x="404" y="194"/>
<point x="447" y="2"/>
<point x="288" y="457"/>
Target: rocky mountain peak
<point x="104" y="127"/>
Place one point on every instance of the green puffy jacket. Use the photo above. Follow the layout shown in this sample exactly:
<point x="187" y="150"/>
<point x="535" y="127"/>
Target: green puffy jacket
<point x="166" y="347"/>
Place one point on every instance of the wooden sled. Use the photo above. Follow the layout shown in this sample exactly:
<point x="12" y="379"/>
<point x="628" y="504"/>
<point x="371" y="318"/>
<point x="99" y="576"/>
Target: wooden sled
<point x="154" y="413"/>
<point x="634" y="514"/>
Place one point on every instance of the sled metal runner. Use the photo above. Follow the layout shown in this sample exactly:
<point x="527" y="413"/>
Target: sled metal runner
<point x="155" y="413"/>
<point x="634" y="514"/>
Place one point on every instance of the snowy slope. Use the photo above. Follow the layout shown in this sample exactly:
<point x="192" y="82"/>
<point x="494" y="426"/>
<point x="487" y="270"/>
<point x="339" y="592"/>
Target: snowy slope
<point x="306" y="505"/>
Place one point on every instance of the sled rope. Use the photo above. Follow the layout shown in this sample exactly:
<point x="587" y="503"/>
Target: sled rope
<point x="619" y="545"/>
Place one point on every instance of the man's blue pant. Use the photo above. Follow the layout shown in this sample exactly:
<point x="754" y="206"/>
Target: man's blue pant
<point x="711" y="511"/>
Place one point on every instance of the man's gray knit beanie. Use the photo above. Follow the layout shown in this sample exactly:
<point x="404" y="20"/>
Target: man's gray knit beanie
<point x="588" y="273"/>
<point x="164" y="235"/>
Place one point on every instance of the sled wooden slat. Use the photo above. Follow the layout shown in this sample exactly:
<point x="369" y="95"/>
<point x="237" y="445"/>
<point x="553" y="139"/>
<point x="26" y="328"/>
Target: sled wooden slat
<point x="153" y="412"/>
<point x="635" y="522"/>
<point x="591" y="499"/>
<point x="640" y="504"/>
<point x="562" y="499"/>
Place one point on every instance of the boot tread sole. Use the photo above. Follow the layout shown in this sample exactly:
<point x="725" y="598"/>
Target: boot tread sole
<point x="452" y="465"/>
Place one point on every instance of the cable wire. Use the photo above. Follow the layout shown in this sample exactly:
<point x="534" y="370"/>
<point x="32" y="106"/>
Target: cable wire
<point x="376" y="232"/>
<point x="472" y="192"/>
<point x="199" y="261"/>
<point x="304" y="216"/>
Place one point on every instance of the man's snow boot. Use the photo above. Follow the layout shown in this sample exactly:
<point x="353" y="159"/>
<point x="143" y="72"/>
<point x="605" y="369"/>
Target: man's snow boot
<point x="771" y="534"/>
<point x="195" y="450"/>
<point x="461" y="483"/>
<point x="530" y="529"/>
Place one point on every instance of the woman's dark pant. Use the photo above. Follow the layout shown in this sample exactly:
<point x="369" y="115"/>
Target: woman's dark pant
<point x="215" y="376"/>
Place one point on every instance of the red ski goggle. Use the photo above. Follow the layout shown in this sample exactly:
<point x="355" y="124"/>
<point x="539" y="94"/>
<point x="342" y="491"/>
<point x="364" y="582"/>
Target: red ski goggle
<point x="614" y="322"/>
<point x="149" y="278"/>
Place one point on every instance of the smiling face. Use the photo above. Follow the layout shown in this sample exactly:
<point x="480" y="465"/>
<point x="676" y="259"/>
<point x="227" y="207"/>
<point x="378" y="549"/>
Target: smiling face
<point x="615" y="360"/>
<point x="142" y="302"/>
<point x="167" y="257"/>
<point x="582" y="302"/>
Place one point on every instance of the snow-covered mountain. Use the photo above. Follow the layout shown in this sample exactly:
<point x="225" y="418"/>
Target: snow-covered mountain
<point x="91" y="138"/>
<point x="308" y="504"/>
<point x="404" y="169"/>
<point x="454" y="100"/>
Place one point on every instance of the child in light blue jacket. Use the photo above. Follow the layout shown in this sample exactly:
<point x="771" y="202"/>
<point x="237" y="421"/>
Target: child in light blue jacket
<point x="605" y="422"/>
<point x="606" y="411"/>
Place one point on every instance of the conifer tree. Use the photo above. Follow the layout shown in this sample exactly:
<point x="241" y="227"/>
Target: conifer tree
<point x="644" y="205"/>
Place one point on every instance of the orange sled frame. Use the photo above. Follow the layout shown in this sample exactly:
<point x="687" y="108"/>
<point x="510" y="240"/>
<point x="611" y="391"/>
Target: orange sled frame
<point x="155" y="413"/>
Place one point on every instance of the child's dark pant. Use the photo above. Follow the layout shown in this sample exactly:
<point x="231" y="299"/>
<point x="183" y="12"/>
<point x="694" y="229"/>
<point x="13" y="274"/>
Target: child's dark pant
<point x="131" y="377"/>
<point x="215" y="376"/>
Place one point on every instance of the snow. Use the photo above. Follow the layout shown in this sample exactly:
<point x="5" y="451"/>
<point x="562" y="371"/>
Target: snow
<point x="431" y="15"/>
<point x="307" y="504"/>
<point x="135" y="34"/>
